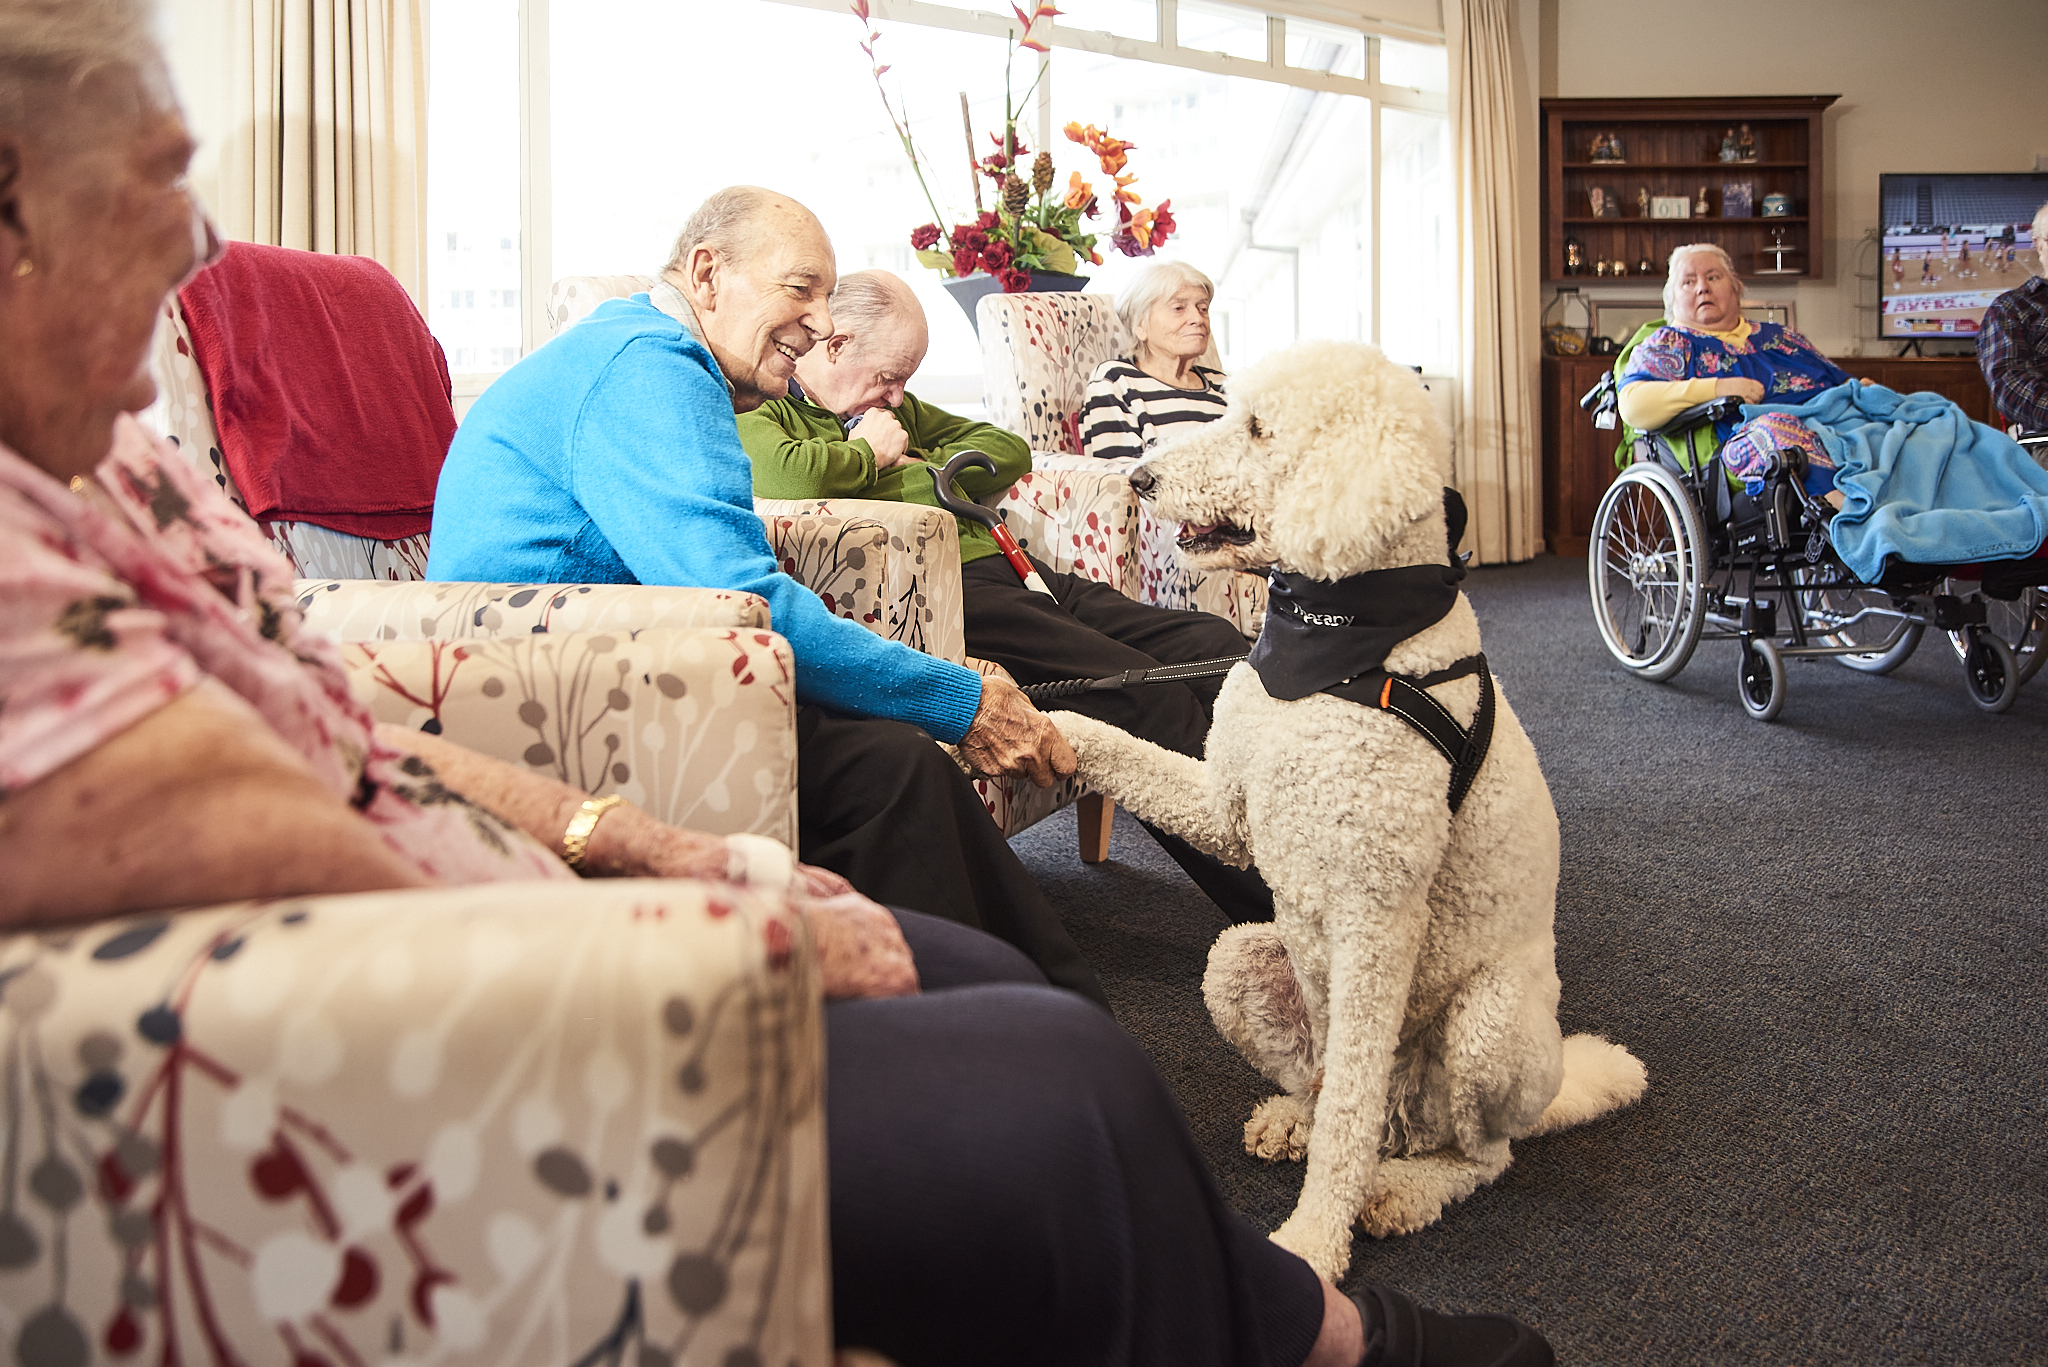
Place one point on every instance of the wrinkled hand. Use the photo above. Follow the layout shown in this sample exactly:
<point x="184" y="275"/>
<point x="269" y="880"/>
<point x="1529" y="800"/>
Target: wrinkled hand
<point x="1010" y="736"/>
<point x="1749" y="391"/>
<point x="812" y="881"/>
<point x="885" y="437"/>
<point x="860" y="948"/>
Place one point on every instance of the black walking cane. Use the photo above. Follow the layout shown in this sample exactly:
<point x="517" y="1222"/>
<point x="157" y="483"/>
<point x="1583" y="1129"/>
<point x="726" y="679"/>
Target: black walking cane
<point x="942" y="483"/>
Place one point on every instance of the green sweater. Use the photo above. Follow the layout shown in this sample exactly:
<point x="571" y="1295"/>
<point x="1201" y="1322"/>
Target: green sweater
<point x="800" y="451"/>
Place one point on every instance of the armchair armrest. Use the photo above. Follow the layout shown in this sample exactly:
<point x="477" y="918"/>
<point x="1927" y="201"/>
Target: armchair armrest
<point x="893" y="567"/>
<point x="695" y="725"/>
<point x="514" y="1123"/>
<point x="381" y="610"/>
<point x="1078" y="515"/>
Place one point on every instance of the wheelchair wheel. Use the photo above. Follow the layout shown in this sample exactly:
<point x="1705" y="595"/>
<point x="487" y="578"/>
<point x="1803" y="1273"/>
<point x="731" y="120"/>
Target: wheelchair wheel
<point x="1990" y="671"/>
<point x="1645" y="573"/>
<point x="1830" y="610"/>
<point x="1760" y="678"/>
<point x="2020" y="624"/>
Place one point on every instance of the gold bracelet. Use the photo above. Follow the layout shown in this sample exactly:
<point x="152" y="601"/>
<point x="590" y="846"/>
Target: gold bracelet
<point x="576" y="839"/>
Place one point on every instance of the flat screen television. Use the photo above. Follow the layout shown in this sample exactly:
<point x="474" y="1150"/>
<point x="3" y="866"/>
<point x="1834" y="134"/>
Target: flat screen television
<point x="1953" y="242"/>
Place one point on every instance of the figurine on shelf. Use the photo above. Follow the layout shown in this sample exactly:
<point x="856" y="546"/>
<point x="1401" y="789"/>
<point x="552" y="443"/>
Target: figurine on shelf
<point x="1600" y="268"/>
<point x="1745" y="145"/>
<point x="1574" y="257"/>
<point x="1699" y="204"/>
<point x="1643" y="266"/>
<point x="1643" y="201"/>
<point x="1607" y="148"/>
<point x="1728" y="152"/>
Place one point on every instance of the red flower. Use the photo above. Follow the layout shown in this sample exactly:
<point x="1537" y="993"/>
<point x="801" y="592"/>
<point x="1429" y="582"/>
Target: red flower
<point x="966" y="261"/>
<point x="996" y="256"/>
<point x="921" y="238"/>
<point x="988" y="220"/>
<point x="1014" y="281"/>
<point x="969" y="239"/>
<point x="1162" y="222"/>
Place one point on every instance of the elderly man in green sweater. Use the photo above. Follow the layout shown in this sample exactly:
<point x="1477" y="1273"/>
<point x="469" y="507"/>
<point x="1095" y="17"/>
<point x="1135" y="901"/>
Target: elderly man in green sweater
<point x="849" y="429"/>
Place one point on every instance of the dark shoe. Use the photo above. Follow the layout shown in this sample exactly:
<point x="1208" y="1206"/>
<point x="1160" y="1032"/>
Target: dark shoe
<point x="1400" y="1333"/>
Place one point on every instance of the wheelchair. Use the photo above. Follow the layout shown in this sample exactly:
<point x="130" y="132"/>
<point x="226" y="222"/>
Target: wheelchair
<point x="1679" y="555"/>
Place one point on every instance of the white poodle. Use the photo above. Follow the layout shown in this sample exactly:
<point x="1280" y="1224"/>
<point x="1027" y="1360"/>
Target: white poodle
<point x="1405" y="995"/>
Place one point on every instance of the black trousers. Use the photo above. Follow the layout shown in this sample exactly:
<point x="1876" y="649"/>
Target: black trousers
<point x="1089" y="631"/>
<point x="880" y="804"/>
<point x="1012" y="1183"/>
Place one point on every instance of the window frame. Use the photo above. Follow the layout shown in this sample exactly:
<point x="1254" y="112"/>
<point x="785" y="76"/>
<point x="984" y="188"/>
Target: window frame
<point x="536" y="110"/>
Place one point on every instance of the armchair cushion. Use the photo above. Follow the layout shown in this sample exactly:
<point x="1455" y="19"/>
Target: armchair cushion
<point x="351" y="610"/>
<point x="905" y="582"/>
<point x="516" y="1124"/>
<point x="695" y="725"/>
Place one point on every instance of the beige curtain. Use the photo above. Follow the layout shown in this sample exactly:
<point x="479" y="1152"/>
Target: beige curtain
<point x="329" y="120"/>
<point x="1495" y="463"/>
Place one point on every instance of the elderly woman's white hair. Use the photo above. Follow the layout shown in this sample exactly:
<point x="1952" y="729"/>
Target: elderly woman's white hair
<point x="1678" y="255"/>
<point x="49" y="47"/>
<point x="1158" y="282"/>
<point x="2041" y="225"/>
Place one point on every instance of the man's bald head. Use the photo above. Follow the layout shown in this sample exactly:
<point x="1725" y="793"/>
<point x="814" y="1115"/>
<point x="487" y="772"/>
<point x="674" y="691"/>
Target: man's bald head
<point x="871" y="303"/>
<point x="738" y="221"/>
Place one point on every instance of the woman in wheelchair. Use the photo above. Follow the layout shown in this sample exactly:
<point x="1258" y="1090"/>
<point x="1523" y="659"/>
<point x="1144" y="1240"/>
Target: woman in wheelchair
<point x="1707" y="350"/>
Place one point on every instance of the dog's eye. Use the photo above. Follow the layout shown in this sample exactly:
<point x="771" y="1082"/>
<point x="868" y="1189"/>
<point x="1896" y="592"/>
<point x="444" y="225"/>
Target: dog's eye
<point x="1258" y="429"/>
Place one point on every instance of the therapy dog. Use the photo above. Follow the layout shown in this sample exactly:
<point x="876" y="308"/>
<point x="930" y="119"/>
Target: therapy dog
<point x="1405" y="995"/>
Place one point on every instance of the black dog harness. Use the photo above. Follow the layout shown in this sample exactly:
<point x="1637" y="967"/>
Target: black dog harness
<point x="1403" y="695"/>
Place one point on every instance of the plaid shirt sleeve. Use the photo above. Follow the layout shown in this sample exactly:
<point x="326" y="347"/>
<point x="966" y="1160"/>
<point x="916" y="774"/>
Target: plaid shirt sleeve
<point x="2012" y="350"/>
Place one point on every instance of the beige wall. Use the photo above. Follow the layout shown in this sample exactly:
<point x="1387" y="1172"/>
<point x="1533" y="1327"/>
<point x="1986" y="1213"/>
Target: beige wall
<point x="196" y="39"/>
<point x="1953" y="86"/>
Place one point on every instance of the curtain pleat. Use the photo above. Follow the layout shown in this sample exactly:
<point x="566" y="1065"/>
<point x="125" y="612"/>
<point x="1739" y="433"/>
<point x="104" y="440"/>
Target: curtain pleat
<point x="1495" y="463"/>
<point x="329" y="148"/>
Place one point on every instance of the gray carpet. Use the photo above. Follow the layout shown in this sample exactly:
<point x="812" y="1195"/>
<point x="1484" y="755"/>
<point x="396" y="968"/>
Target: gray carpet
<point x="1824" y="937"/>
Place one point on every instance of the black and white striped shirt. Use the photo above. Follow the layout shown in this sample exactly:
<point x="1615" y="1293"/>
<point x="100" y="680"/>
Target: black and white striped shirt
<point x="1128" y="412"/>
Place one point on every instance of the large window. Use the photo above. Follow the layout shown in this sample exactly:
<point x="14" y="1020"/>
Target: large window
<point x="1306" y="161"/>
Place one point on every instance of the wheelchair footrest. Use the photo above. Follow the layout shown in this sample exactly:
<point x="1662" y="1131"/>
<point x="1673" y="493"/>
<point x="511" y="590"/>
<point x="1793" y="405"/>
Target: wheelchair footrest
<point x="1953" y="614"/>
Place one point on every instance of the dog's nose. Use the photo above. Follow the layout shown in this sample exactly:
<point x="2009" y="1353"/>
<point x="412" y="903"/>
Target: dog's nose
<point x="1142" y="481"/>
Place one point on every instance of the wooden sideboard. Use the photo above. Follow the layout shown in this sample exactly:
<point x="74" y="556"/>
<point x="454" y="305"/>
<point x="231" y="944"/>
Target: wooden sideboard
<point x="1578" y="458"/>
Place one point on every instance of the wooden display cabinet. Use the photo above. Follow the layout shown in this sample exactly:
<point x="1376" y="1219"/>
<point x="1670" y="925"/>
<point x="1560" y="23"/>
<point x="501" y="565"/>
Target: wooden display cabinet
<point x="1671" y="149"/>
<point x="1578" y="458"/>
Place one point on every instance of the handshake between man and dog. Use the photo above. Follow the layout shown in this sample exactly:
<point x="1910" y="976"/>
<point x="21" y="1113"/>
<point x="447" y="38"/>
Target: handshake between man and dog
<point x="1405" y="995"/>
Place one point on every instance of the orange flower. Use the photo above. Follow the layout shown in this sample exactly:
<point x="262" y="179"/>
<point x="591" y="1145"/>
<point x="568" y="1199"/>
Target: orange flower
<point x="1079" y="193"/>
<point x="1141" y="227"/>
<point x="1125" y="195"/>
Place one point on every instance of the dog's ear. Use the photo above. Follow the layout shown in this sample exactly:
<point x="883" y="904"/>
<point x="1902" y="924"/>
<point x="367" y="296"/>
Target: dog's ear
<point x="1360" y="450"/>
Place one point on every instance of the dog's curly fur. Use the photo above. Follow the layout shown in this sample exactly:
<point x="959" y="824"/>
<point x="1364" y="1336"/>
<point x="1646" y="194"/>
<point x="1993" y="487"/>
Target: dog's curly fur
<point x="1405" y="995"/>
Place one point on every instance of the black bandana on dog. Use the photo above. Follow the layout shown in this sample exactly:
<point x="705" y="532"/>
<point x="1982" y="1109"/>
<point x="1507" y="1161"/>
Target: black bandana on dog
<point x="1319" y="633"/>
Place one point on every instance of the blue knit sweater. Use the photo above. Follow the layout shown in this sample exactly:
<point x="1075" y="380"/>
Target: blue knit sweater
<point x="610" y="456"/>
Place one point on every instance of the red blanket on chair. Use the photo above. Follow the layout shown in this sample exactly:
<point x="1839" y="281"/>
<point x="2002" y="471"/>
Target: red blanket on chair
<point x="331" y="397"/>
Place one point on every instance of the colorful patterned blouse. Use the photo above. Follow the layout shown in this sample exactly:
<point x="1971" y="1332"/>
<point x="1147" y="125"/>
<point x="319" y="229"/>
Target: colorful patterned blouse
<point x="1790" y="368"/>
<point x="107" y="615"/>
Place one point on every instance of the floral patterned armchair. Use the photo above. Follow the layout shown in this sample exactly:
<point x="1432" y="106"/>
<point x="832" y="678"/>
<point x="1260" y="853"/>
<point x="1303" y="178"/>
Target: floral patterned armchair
<point x="522" y="1123"/>
<point x="681" y="700"/>
<point x="1037" y="351"/>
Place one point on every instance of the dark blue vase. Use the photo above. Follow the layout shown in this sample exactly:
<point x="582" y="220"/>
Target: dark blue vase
<point x="967" y="290"/>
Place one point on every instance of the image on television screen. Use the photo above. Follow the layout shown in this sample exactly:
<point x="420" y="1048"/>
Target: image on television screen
<point x="1952" y="244"/>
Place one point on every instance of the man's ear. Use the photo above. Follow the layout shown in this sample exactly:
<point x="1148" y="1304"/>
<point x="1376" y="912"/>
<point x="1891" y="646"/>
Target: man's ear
<point x="700" y="275"/>
<point x="835" y="345"/>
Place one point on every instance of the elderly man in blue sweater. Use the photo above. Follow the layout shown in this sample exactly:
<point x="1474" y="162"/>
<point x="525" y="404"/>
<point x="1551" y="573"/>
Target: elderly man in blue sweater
<point x="610" y="456"/>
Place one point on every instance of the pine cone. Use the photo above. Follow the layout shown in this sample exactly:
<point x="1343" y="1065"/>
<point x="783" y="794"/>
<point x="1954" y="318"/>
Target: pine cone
<point x="1016" y="196"/>
<point x="1041" y="174"/>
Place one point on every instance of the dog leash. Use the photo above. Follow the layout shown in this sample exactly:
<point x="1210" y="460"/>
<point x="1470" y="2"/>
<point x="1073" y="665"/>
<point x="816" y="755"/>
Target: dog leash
<point x="1131" y="678"/>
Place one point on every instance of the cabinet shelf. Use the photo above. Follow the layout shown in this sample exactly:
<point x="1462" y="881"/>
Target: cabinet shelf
<point x="1753" y="219"/>
<point x="1664" y="141"/>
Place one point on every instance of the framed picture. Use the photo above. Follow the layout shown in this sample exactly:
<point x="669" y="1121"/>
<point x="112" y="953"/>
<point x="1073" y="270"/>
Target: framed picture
<point x="1603" y="202"/>
<point x="1670" y="206"/>
<point x="1738" y="199"/>
<point x="1618" y="319"/>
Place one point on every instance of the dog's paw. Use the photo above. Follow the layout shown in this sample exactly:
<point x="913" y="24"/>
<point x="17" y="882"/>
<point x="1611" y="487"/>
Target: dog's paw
<point x="1324" y="1245"/>
<point x="1279" y="1128"/>
<point x="1405" y="1199"/>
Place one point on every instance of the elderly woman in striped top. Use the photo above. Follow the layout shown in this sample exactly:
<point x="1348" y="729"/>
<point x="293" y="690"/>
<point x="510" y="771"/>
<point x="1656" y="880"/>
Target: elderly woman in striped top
<point x="1136" y="402"/>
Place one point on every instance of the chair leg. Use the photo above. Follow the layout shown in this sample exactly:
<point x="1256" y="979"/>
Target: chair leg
<point x="1093" y="814"/>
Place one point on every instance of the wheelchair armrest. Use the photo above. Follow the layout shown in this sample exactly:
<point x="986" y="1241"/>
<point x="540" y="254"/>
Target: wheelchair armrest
<point x="1702" y="414"/>
<point x="1604" y="394"/>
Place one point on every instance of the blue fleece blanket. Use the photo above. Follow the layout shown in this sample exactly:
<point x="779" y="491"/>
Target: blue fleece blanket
<point x="1920" y="481"/>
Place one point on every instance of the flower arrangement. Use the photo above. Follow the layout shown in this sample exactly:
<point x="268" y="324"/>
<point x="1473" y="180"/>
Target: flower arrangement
<point x="1035" y="224"/>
